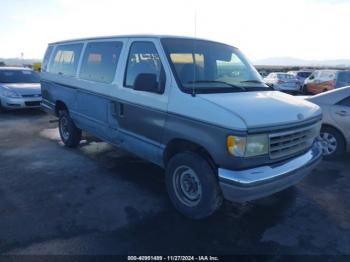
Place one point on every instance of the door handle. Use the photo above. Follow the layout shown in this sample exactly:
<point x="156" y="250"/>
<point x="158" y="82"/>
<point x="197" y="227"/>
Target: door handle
<point x="342" y="113"/>
<point x="117" y="109"/>
<point x="121" y="109"/>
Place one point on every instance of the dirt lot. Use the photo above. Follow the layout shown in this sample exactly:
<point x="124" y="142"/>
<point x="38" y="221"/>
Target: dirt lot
<point x="99" y="200"/>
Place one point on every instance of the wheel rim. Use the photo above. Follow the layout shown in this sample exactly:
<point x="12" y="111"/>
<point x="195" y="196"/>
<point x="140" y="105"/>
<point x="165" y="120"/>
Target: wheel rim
<point x="187" y="186"/>
<point x="328" y="143"/>
<point x="64" y="128"/>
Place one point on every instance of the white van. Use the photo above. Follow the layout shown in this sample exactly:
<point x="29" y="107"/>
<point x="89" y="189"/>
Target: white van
<point x="197" y="108"/>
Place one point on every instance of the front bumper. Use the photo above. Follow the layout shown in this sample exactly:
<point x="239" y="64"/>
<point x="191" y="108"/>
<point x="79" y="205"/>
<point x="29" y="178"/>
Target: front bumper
<point x="250" y="184"/>
<point x="17" y="103"/>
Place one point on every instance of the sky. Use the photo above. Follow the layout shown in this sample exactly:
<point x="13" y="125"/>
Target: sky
<point x="305" y="29"/>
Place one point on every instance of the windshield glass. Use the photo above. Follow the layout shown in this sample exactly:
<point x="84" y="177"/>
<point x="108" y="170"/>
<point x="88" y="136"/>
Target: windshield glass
<point x="18" y="76"/>
<point x="204" y="66"/>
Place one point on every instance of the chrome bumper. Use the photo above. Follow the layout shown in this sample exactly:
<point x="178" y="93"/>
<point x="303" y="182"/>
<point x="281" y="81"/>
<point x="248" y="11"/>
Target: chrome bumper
<point x="244" y="185"/>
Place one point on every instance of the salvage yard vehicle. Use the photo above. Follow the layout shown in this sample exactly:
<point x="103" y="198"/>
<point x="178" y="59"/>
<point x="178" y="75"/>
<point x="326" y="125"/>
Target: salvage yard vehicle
<point x="325" y="80"/>
<point x="301" y="75"/>
<point x="195" y="107"/>
<point x="335" y="131"/>
<point x="283" y="82"/>
<point x="19" y="88"/>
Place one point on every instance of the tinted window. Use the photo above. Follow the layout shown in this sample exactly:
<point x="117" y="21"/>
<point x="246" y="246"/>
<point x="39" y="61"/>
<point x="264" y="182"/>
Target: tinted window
<point x="19" y="76"/>
<point x="345" y="102"/>
<point x="100" y="61"/>
<point x="343" y="79"/>
<point x="143" y="59"/>
<point x="65" y="59"/>
<point x="46" y="58"/>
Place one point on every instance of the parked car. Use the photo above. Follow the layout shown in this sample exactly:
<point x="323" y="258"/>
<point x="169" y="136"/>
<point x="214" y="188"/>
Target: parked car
<point x="195" y="107"/>
<point x="325" y="80"/>
<point x="283" y="82"/>
<point x="335" y="132"/>
<point x="301" y="75"/>
<point x="19" y="88"/>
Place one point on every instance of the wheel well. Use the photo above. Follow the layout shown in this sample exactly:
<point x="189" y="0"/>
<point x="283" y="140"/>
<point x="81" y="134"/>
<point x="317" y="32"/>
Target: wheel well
<point x="180" y="145"/>
<point x="59" y="106"/>
<point x="336" y="129"/>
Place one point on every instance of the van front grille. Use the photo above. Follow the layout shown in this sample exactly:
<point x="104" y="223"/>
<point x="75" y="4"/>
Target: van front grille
<point x="289" y="143"/>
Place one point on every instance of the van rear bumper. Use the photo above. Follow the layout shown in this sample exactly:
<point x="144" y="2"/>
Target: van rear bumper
<point x="250" y="184"/>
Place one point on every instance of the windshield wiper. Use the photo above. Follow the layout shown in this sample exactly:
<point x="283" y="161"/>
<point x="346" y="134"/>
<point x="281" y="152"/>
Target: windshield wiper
<point x="216" y="81"/>
<point x="253" y="81"/>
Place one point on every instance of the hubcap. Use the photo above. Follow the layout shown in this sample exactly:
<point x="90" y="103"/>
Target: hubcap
<point x="187" y="186"/>
<point x="64" y="128"/>
<point x="328" y="143"/>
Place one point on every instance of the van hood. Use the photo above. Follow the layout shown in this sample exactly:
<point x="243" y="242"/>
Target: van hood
<point x="24" y="88"/>
<point x="264" y="108"/>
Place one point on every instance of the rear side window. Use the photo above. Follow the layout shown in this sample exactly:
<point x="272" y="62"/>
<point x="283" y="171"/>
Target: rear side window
<point x="65" y="59"/>
<point x="46" y="58"/>
<point x="100" y="61"/>
<point x="143" y="59"/>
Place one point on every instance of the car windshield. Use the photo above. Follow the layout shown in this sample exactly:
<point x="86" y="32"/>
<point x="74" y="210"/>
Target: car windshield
<point x="208" y="67"/>
<point x="18" y="76"/>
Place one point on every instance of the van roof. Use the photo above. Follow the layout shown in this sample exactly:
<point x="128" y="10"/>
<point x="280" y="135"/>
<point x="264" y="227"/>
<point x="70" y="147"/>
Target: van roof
<point x="129" y="36"/>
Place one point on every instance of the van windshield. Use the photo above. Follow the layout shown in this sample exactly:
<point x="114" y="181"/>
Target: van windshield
<point x="208" y="67"/>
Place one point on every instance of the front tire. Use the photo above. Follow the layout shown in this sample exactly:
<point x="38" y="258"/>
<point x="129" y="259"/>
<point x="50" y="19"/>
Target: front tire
<point x="70" y="134"/>
<point x="192" y="185"/>
<point x="332" y="143"/>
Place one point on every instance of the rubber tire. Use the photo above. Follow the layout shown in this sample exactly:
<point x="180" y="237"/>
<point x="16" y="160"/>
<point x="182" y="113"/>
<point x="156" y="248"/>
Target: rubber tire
<point x="340" y="142"/>
<point x="1" y="108"/>
<point x="211" y="198"/>
<point x="74" y="132"/>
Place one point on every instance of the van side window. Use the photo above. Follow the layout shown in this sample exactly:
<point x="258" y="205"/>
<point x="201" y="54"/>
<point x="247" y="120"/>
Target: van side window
<point x="65" y="59"/>
<point x="46" y="58"/>
<point x="143" y="59"/>
<point x="100" y="61"/>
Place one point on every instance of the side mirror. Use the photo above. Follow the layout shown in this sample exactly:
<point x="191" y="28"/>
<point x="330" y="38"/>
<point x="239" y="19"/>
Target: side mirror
<point x="146" y="82"/>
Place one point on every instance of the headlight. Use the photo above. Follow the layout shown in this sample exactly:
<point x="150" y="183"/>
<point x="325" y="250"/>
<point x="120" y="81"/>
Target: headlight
<point x="11" y="94"/>
<point x="254" y="145"/>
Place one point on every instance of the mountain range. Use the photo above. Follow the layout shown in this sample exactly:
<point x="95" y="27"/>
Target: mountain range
<point x="19" y="61"/>
<point x="291" y="61"/>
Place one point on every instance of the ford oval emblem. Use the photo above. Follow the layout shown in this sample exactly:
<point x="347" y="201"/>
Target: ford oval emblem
<point x="300" y="116"/>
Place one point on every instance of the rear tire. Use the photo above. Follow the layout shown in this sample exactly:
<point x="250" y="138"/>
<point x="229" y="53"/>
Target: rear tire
<point x="70" y="134"/>
<point x="1" y="108"/>
<point x="192" y="185"/>
<point x="332" y="143"/>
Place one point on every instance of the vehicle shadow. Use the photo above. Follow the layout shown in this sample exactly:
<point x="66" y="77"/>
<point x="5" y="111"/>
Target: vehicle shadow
<point x="235" y="228"/>
<point x="22" y="113"/>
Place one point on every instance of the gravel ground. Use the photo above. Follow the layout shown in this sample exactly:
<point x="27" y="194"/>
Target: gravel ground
<point x="100" y="200"/>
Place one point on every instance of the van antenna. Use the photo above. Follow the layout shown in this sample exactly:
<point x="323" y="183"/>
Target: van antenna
<point x="193" y="55"/>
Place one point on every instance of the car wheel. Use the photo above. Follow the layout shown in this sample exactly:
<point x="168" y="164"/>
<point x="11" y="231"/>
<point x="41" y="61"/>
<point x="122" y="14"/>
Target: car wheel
<point x="70" y="134"/>
<point x="192" y="185"/>
<point x="332" y="142"/>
